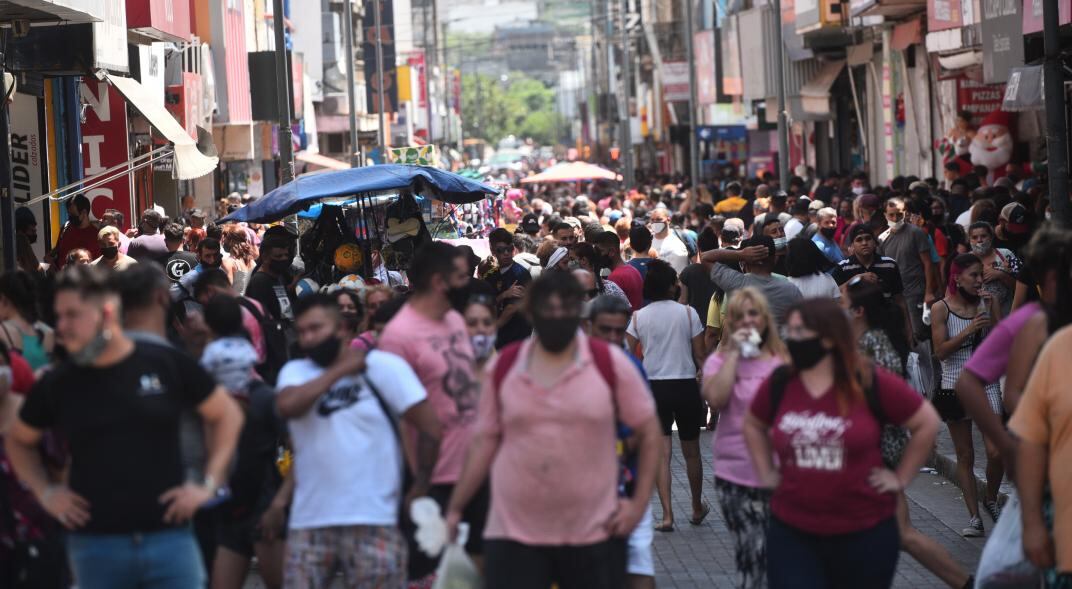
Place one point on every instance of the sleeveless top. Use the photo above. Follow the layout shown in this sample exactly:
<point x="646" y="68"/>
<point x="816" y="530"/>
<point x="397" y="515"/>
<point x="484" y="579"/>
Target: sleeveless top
<point x="241" y="281"/>
<point x="31" y="346"/>
<point x="953" y="364"/>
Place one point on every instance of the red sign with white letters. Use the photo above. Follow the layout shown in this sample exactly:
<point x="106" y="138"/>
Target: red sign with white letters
<point x="104" y="145"/>
<point x="167" y="20"/>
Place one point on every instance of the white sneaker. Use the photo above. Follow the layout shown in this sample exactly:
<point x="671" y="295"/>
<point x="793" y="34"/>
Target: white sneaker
<point x="974" y="529"/>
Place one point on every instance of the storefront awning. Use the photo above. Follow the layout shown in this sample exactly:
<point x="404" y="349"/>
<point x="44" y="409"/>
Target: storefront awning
<point x="815" y="95"/>
<point x="322" y="161"/>
<point x="1024" y="89"/>
<point x="189" y="161"/>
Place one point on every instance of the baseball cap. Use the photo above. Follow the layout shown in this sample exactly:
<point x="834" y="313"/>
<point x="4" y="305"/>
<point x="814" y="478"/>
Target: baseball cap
<point x="801" y="206"/>
<point x="760" y="240"/>
<point x="1015" y="216"/>
<point x="733" y="224"/>
<point x="816" y="205"/>
<point x="530" y="224"/>
<point x="780" y="195"/>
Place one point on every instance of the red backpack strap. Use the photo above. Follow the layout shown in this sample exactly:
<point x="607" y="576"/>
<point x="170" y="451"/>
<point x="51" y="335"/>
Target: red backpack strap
<point x="603" y="360"/>
<point x="507" y="358"/>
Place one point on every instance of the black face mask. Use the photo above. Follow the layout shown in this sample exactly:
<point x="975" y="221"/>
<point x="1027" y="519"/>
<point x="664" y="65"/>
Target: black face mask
<point x="806" y="353"/>
<point x="459" y="298"/>
<point x="110" y="252"/>
<point x="31" y="237"/>
<point x="325" y="352"/>
<point x="556" y="334"/>
<point x="352" y="320"/>
<point x="828" y="232"/>
<point x="279" y="266"/>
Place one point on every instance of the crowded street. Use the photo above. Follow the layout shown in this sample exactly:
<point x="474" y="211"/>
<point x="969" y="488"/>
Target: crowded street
<point x="534" y="294"/>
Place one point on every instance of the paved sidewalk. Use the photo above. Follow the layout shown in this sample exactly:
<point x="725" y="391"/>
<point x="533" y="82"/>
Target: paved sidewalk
<point x="695" y="557"/>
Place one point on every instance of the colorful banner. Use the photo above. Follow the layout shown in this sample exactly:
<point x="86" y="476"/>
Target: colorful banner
<point x="387" y="43"/>
<point x="703" y="45"/>
<point x="732" y="82"/>
<point x="104" y="145"/>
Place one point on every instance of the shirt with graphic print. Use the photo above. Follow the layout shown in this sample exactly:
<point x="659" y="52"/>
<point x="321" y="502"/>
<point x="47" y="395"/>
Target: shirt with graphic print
<point x="122" y="424"/>
<point x="347" y="459"/>
<point x="441" y="354"/>
<point x="826" y="455"/>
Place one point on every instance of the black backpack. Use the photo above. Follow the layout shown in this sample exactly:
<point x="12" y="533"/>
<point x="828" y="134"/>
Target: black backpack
<point x="780" y="378"/>
<point x="892" y="438"/>
<point x="275" y="342"/>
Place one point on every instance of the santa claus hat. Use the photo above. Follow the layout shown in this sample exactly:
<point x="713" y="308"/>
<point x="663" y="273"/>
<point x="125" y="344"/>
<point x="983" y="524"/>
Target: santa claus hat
<point x="999" y="118"/>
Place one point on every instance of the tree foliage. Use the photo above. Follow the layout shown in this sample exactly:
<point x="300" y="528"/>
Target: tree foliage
<point x="493" y="108"/>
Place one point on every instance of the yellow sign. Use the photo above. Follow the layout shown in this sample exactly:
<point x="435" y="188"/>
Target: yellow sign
<point x="405" y="85"/>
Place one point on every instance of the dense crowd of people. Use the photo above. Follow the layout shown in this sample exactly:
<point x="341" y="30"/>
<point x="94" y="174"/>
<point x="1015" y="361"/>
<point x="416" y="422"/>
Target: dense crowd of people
<point x="174" y="406"/>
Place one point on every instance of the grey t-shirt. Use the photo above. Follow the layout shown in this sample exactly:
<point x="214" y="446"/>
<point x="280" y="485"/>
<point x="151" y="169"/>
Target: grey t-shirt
<point x="905" y="247"/>
<point x="781" y="294"/>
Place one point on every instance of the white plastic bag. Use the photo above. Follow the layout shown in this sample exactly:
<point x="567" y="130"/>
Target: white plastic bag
<point x="1003" y="564"/>
<point x="456" y="570"/>
<point x="915" y="379"/>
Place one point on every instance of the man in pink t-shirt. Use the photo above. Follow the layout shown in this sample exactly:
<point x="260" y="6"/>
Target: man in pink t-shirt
<point x="431" y="336"/>
<point x="555" y="512"/>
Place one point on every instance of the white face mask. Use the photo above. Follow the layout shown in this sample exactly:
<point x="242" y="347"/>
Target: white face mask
<point x="780" y="243"/>
<point x="483" y="346"/>
<point x="895" y="226"/>
<point x="858" y="190"/>
<point x="657" y="228"/>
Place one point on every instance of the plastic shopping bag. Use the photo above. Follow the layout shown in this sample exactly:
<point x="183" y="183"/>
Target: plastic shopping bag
<point x="915" y="379"/>
<point x="1003" y="564"/>
<point x="456" y="570"/>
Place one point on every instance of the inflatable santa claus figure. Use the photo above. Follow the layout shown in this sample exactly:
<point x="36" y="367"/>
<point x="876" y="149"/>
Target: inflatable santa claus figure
<point x="992" y="145"/>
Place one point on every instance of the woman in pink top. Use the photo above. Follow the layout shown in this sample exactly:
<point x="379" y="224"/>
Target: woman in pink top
<point x="731" y="377"/>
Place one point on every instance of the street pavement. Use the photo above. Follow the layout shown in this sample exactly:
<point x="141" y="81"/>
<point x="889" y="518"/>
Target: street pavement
<point x="702" y="557"/>
<point x="695" y="557"/>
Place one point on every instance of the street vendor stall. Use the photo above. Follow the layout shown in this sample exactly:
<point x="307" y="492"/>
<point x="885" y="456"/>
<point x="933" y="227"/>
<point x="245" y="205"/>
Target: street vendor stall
<point x="374" y="221"/>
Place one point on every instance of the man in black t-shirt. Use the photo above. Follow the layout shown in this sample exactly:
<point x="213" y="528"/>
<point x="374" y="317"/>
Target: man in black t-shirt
<point x="509" y="282"/>
<point x="178" y="261"/>
<point x="119" y="403"/>
<point x="270" y="284"/>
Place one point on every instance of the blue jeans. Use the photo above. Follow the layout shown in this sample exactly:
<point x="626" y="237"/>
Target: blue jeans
<point x="858" y="560"/>
<point x="168" y="559"/>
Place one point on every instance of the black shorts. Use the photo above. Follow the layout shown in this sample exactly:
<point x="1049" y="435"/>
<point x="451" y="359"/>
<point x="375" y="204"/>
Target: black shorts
<point x="475" y="514"/>
<point x="512" y="565"/>
<point x="948" y="406"/>
<point x="679" y="401"/>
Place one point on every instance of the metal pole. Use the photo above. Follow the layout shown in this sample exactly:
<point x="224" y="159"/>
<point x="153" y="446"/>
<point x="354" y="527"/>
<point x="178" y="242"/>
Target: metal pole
<point x="783" y="122"/>
<point x="1056" y="133"/>
<point x="7" y="202"/>
<point x="348" y="21"/>
<point x="448" y="80"/>
<point x="694" y="145"/>
<point x="282" y="77"/>
<point x="428" y="57"/>
<point x="435" y="57"/>
<point x="627" y="132"/>
<point x="377" y="8"/>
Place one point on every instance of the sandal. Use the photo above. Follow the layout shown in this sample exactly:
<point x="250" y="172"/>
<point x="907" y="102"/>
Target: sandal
<point x="699" y="520"/>
<point x="664" y="528"/>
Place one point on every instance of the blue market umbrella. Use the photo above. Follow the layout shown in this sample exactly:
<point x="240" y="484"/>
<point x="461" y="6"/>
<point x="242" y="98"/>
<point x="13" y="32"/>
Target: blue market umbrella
<point x="307" y="190"/>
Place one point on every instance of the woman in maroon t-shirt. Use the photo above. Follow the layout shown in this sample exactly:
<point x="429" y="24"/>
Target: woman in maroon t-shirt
<point x="833" y="502"/>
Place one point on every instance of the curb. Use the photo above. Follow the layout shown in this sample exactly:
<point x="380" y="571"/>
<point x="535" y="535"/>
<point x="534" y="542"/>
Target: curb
<point x="946" y="465"/>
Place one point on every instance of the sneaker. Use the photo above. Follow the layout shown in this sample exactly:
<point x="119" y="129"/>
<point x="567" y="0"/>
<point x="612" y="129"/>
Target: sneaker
<point x="993" y="509"/>
<point x="974" y="529"/>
